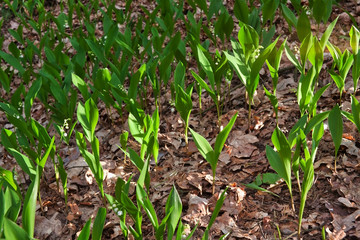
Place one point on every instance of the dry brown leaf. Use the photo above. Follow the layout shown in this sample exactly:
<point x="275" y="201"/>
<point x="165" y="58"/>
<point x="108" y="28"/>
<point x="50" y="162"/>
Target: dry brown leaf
<point x="46" y="227"/>
<point x="242" y="144"/>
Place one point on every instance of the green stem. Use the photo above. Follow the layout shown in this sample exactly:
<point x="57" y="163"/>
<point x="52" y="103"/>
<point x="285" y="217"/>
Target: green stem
<point x="213" y="188"/>
<point x="186" y="135"/>
<point x="249" y="115"/>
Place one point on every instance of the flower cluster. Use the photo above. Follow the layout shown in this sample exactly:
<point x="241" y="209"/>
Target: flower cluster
<point x="117" y="210"/>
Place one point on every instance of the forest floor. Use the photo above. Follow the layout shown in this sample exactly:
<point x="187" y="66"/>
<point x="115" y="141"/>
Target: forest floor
<point x="333" y="202"/>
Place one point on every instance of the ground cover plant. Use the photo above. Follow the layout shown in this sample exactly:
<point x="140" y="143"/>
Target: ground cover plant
<point x="98" y="97"/>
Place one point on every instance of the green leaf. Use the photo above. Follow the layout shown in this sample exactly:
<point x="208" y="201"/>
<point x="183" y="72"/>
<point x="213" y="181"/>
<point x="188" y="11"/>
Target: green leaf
<point x="30" y="96"/>
<point x="14" y="62"/>
<point x="206" y="66"/>
<point x="325" y="37"/>
<point x="241" y="11"/>
<point x="14" y="232"/>
<point x="218" y="206"/>
<point x="143" y="173"/>
<point x="4" y="80"/>
<point x="99" y="224"/>
<point x="239" y="67"/>
<point x="203" y="84"/>
<point x="305" y="48"/>
<point x="81" y="85"/>
<point x="25" y="163"/>
<point x="222" y="136"/>
<point x="28" y="214"/>
<point x="173" y="201"/>
<point x="306" y="185"/>
<point x="291" y="56"/>
<point x="316" y="55"/>
<point x="289" y="15"/>
<point x="179" y="75"/>
<point x="249" y="40"/>
<point x="355" y="109"/>
<point x="354" y="39"/>
<point x="143" y="200"/>
<point x="9" y="178"/>
<point x="280" y="161"/>
<point x="183" y="104"/>
<point x="97" y="50"/>
<point x="85" y="232"/>
<point x="205" y="149"/>
<point x="92" y="115"/>
<point x="269" y="8"/>
<point x="303" y="26"/>
<point x="319" y="118"/>
<point x="336" y="127"/>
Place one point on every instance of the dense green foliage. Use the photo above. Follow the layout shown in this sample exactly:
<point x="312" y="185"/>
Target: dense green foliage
<point x="71" y="68"/>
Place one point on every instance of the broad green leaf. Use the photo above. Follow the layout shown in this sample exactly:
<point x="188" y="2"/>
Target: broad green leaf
<point x="14" y="62"/>
<point x="239" y="67"/>
<point x="92" y="115"/>
<point x="306" y="185"/>
<point x="315" y="99"/>
<point x="256" y="187"/>
<point x="9" y="178"/>
<point x="204" y="148"/>
<point x="215" y="213"/>
<point x="270" y="178"/>
<point x="335" y="53"/>
<point x="99" y="224"/>
<point x="30" y="96"/>
<point x="300" y="124"/>
<point x="306" y="46"/>
<point x="144" y="201"/>
<point x="356" y="70"/>
<point x="222" y="136"/>
<point x="316" y="55"/>
<point x="85" y="232"/>
<point x="339" y="81"/>
<point x="355" y="109"/>
<point x="203" y="84"/>
<point x="259" y="62"/>
<point x="97" y="50"/>
<point x="289" y="15"/>
<point x="249" y="40"/>
<point x="183" y="104"/>
<point x="336" y="127"/>
<point x="319" y="118"/>
<point x="206" y="66"/>
<point x="81" y="85"/>
<point x="5" y="80"/>
<point x="269" y="8"/>
<point x="29" y="208"/>
<point x="63" y="177"/>
<point x="12" y="204"/>
<point x="291" y="56"/>
<point x="325" y="37"/>
<point x="276" y="162"/>
<point x="47" y="153"/>
<point x="143" y="173"/>
<point x="81" y="116"/>
<point x="303" y="26"/>
<point x="173" y="201"/>
<point x="160" y="232"/>
<point x="354" y="39"/>
<point x="14" y="232"/>
<point x="124" y="139"/>
<point x="241" y="10"/>
<point x="24" y="162"/>
<point x="273" y="100"/>
<point x="179" y="75"/>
